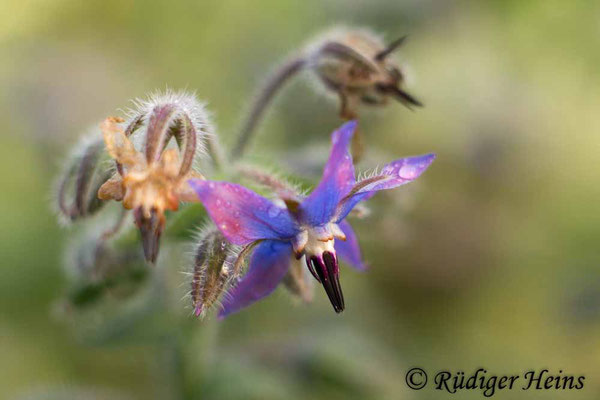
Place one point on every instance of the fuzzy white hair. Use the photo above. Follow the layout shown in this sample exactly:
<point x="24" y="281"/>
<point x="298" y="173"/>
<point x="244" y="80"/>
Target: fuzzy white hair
<point x="187" y="104"/>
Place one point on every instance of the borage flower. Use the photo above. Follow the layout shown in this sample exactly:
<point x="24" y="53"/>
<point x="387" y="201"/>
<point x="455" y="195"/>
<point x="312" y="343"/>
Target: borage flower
<point x="308" y="227"/>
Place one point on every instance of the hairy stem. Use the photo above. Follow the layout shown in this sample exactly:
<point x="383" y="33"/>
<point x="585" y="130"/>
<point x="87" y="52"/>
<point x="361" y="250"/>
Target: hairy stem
<point x="266" y="94"/>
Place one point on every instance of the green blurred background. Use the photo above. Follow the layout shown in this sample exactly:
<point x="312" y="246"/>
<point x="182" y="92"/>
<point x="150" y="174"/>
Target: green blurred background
<point x="491" y="260"/>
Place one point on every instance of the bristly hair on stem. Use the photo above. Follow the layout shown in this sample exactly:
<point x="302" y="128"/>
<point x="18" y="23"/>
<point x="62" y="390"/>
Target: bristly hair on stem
<point x="182" y="104"/>
<point x="281" y="187"/>
<point x="213" y="269"/>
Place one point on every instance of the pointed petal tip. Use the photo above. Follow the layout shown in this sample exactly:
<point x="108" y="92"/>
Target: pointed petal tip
<point x="337" y="179"/>
<point x="364" y="267"/>
<point x="429" y="157"/>
<point x="422" y="161"/>
<point x="345" y="131"/>
<point x="414" y="166"/>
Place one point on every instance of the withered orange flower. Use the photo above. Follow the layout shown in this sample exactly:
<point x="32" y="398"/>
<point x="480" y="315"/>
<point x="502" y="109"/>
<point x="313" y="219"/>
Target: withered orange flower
<point x="155" y="180"/>
<point x="157" y="186"/>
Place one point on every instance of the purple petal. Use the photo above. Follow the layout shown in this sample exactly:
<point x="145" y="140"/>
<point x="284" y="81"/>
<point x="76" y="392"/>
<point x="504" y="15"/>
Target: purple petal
<point x="268" y="265"/>
<point x="338" y="177"/>
<point x="349" y="250"/>
<point x="242" y="215"/>
<point x="394" y="174"/>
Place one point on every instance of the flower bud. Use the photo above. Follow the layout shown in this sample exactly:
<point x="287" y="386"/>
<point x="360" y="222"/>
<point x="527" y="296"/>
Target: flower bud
<point x="212" y="271"/>
<point x="356" y="65"/>
<point x="85" y="171"/>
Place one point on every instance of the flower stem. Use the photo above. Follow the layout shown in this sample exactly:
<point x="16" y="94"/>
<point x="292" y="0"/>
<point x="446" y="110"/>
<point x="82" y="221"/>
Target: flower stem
<point x="265" y="95"/>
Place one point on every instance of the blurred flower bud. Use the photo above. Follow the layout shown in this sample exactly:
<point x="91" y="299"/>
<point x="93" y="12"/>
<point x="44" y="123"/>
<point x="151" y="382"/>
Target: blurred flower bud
<point x="97" y="269"/>
<point x="356" y="65"/>
<point x="213" y="270"/>
<point x="85" y="171"/>
<point x="152" y="178"/>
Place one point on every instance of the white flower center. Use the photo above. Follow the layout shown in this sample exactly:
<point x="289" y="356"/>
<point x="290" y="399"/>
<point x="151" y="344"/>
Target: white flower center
<point x="316" y="244"/>
<point x="317" y="240"/>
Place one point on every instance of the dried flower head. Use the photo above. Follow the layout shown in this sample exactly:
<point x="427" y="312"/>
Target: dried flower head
<point x="153" y="180"/>
<point x="356" y="65"/>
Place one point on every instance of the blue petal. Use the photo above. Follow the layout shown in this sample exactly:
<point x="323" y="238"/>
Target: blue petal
<point x="394" y="174"/>
<point x="268" y="265"/>
<point x="242" y="215"/>
<point x="338" y="177"/>
<point x="349" y="250"/>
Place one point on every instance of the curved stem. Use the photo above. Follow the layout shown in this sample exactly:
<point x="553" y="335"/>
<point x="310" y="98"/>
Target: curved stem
<point x="266" y="94"/>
